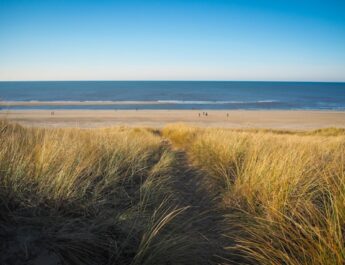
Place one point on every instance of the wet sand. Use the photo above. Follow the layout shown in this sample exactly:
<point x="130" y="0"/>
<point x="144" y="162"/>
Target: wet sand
<point x="299" y="120"/>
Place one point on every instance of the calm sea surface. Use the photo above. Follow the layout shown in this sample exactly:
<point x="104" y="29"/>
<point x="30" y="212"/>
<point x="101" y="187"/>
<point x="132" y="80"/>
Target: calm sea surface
<point x="179" y="94"/>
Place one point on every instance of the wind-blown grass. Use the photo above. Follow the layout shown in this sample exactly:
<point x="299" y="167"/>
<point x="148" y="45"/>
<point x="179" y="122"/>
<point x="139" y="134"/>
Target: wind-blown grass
<point x="132" y="196"/>
<point x="88" y="197"/>
<point x="284" y="192"/>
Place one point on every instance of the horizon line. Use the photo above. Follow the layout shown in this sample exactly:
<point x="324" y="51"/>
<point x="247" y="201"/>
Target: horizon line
<point x="173" y="80"/>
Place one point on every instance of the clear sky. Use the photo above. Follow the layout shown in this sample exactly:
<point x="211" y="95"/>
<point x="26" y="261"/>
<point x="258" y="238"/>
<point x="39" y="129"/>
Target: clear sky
<point x="172" y="40"/>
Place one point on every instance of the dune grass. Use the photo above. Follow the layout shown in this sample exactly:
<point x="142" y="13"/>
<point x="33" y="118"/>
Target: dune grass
<point x="114" y="196"/>
<point x="89" y="197"/>
<point x="284" y="192"/>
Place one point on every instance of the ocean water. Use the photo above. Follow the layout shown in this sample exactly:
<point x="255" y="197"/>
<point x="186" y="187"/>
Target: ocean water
<point x="178" y="94"/>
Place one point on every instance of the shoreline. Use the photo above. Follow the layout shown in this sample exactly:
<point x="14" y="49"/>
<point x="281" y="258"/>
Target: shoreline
<point x="79" y="103"/>
<point x="135" y="104"/>
<point x="270" y="119"/>
<point x="127" y="102"/>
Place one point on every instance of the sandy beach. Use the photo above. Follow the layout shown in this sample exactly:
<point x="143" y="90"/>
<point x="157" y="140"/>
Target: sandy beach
<point x="294" y="120"/>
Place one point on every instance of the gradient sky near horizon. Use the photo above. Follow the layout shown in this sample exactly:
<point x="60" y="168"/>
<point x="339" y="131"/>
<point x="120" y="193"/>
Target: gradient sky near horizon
<point x="295" y="40"/>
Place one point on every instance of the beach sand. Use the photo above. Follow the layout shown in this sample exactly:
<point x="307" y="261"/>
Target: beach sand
<point x="294" y="120"/>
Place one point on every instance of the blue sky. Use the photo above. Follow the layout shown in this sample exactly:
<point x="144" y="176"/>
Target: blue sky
<point x="172" y="40"/>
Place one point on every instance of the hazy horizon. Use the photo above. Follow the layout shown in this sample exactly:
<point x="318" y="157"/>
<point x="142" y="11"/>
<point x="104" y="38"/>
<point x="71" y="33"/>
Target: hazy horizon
<point x="266" y="40"/>
<point x="172" y="80"/>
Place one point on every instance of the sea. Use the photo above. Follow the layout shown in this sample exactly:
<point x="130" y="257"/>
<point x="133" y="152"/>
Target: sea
<point x="222" y="95"/>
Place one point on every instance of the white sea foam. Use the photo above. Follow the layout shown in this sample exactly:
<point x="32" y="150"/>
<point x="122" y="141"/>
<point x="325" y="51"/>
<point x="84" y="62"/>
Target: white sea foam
<point x="210" y="102"/>
<point x="132" y="102"/>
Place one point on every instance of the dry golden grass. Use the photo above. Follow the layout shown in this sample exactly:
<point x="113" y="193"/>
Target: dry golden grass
<point x="284" y="191"/>
<point x="102" y="196"/>
<point x="114" y="196"/>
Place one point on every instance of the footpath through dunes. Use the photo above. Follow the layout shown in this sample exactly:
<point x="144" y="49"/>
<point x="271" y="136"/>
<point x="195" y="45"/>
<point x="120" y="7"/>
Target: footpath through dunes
<point x="103" y="196"/>
<point x="180" y="195"/>
<point x="203" y="214"/>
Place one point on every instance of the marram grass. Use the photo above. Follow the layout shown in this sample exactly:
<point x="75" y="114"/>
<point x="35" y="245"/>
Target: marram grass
<point x="102" y="196"/>
<point x="181" y="195"/>
<point x="284" y="192"/>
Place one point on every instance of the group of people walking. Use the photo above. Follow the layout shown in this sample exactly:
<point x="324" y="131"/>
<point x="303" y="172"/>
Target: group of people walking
<point x="203" y="114"/>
